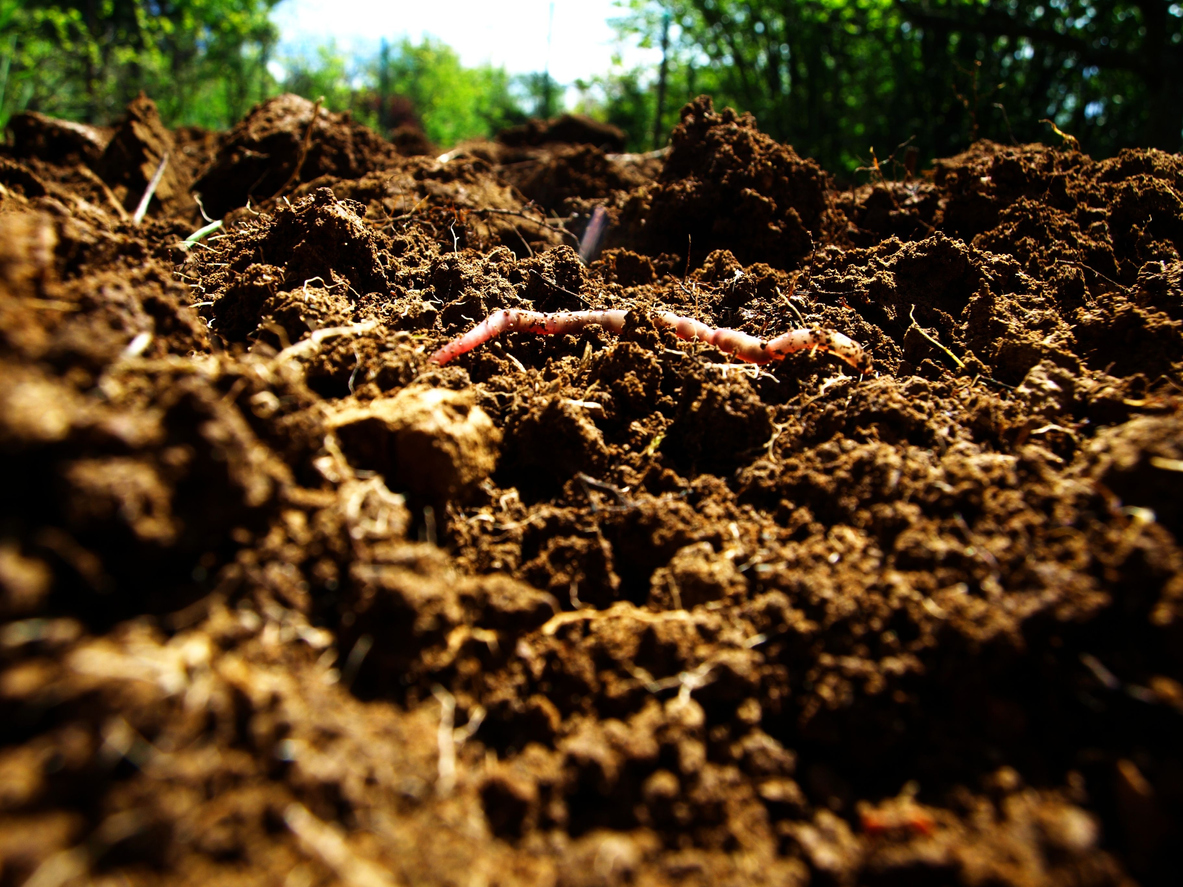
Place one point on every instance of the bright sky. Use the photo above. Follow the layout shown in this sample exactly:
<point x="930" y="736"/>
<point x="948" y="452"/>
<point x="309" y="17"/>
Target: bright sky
<point x="509" y="34"/>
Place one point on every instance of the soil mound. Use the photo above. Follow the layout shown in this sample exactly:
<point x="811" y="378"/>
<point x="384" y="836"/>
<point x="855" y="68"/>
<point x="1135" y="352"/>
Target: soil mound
<point x="283" y="142"/>
<point x="726" y="185"/>
<point x="568" y="129"/>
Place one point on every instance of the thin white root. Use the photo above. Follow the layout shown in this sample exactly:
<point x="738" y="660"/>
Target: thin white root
<point x="313" y="342"/>
<point x="446" y="780"/>
<point x="327" y="843"/>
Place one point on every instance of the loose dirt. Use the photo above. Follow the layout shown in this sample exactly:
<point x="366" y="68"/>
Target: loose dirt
<point x="281" y="602"/>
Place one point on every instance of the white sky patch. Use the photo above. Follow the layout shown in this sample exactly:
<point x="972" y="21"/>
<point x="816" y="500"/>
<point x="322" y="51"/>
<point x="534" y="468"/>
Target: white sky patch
<point x="513" y="35"/>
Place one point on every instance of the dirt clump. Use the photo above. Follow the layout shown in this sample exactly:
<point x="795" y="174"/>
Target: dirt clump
<point x="284" y="600"/>
<point x="285" y="141"/>
<point x="139" y="148"/>
<point x="567" y="129"/>
<point x="726" y="185"/>
<point x="34" y="135"/>
<point x="435" y="443"/>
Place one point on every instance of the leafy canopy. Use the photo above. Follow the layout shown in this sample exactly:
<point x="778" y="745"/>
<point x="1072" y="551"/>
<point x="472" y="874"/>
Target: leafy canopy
<point x="203" y="61"/>
<point x="837" y="78"/>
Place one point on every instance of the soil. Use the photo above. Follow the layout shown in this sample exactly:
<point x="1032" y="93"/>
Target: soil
<point x="282" y="602"/>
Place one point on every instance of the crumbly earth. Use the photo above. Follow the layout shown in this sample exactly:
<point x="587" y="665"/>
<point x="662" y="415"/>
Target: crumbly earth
<point x="283" y="603"/>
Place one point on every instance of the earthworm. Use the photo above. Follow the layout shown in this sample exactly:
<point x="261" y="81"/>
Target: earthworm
<point x="745" y="347"/>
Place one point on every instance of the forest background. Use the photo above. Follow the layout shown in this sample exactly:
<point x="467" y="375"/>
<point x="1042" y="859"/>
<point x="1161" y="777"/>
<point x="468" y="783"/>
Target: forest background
<point x="842" y="82"/>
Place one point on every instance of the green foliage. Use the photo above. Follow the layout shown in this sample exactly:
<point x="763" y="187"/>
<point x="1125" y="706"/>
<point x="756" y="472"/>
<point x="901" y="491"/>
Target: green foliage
<point x="625" y="98"/>
<point x="838" y="78"/>
<point x="542" y="93"/>
<point x="1107" y="72"/>
<point x="325" y="72"/>
<point x="206" y="62"/>
<point x="451" y="102"/>
<point x="203" y="61"/>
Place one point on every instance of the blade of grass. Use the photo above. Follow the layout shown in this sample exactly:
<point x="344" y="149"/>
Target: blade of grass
<point x="192" y="240"/>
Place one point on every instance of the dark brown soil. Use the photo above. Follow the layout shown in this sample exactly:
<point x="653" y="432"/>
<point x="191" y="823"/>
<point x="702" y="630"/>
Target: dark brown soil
<point x="281" y="602"/>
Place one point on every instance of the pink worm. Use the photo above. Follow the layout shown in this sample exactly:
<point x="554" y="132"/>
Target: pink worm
<point x="745" y="347"/>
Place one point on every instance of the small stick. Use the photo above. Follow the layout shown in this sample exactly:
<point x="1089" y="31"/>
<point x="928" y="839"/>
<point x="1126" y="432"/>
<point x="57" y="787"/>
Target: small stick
<point x="142" y="209"/>
<point x="912" y="316"/>
<point x="593" y="234"/>
<point x="745" y="347"/>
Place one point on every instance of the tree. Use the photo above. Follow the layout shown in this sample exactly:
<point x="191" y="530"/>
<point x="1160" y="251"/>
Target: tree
<point x="837" y="78"/>
<point x="1098" y="65"/>
<point x="204" y="61"/>
<point x="624" y="98"/>
<point x="453" y="102"/>
<point x="326" y="73"/>
<point x="540" y="91"/>
<point x="829" y="76"/>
